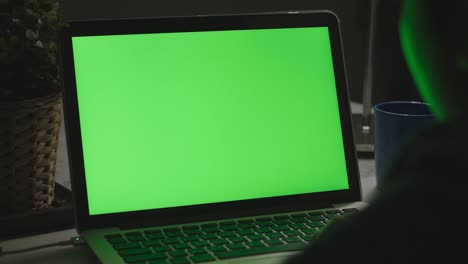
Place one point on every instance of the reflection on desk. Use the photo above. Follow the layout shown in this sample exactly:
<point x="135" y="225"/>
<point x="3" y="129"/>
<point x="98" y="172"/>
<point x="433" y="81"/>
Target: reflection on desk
<point x="52" y="255"/>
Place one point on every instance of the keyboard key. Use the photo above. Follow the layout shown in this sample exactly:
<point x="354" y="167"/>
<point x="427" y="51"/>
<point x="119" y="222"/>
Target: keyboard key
<point x="309" y="231"/>
<point x="263" y="230"/>
<point x="255" y="237"/>
<point x="316" y="217"/>
<point x="191" y="232"/>
<point x="199" y="244"/>
<point x="224" y="223"/>
<point x="190" y="227"/>
<point x="178" y="253"/>
<point x="169" y="241"/>
<point x="209" y="236"/>
<point x="229" y="227"/>
<point x="298" y="226"/>
<point x="255" y="244"/>
<point x="265" y="224"/>
<point x="315" y="224"/>
<point x="300" y="220"/>
<point x="282" y="222"/>
<point x="197" y="251"/>
<point x="181" y="246"/>
<point x="171" y="229"/>
<point x="291" y="239"/>
<point x="174" y="234"/>
<point x="292" y="233"/>
<point x="136" y="238"/>
<point x="300" y="215"/>
<point x="134" y="251"/>
<point x="274" y="241"/>
<point x="179" y="260"/>
<point x="247" y="225"/>
<point x="135" y="233"/>
<point x="316" y="213"/>
<point x="163" y="248"/>
<point x="151" y="243"/>
<point x="152" y="231"/>
<point x="211" y="229"/>
<point x="217" y="248"/>
<point x="219" y="241"/>
<point x="274" y="235"/>
<point x="238" y="239"/>
<point x="281" y="228"/>
<point x="245" y="232"/>
<point x="209" y="225"/>
<point x="190" y="239"/>
<point x="260" y="250"/>
<point x="227" y="234"/>
<point x="155" y="236"/>
<point x="236" y="246"/>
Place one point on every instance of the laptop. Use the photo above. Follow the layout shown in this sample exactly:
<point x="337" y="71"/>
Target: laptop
<point x="223" y="138"/>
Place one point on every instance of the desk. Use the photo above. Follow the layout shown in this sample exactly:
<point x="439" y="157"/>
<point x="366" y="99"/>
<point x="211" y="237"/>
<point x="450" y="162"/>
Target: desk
<point x="81" y="254"/>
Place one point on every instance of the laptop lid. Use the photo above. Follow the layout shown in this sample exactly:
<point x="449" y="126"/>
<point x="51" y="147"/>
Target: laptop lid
<point x="181" y="119"/>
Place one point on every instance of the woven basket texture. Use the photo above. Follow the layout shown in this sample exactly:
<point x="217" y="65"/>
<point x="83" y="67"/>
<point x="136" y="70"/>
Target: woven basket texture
<point x="29" y="132"/>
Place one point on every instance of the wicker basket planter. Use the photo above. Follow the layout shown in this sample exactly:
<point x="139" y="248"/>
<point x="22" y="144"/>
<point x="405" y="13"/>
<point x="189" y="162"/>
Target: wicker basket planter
<point x="29" y="132"/>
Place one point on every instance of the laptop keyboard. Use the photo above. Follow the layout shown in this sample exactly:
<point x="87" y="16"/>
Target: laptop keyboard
<point x="221" y="240"/>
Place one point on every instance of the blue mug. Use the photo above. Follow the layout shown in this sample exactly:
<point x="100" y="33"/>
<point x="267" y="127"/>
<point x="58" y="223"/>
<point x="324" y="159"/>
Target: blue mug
<point x="395" y="123"/>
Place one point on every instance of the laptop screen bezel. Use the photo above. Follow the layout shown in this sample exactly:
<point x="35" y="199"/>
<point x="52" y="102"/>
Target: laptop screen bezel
<point x="205" y="212"/>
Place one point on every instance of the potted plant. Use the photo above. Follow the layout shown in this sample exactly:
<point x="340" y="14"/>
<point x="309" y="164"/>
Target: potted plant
<point x="30" y="103"/>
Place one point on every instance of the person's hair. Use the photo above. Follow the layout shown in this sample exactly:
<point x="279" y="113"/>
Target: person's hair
<point x="448" y="20"/>
<point x="434" y="36"/>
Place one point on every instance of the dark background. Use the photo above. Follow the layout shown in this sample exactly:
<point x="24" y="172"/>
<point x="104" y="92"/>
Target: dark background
<point x="391" y="80"/>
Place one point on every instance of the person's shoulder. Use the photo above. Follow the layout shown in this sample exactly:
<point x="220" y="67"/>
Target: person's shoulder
<point x="433" y="157"/>
<point x="444" y="141"/>
<point x="441" y="140"/>
<point x="455" y="127"/>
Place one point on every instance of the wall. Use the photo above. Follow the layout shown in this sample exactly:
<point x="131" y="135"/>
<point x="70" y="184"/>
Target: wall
<point x="353" y="15"/>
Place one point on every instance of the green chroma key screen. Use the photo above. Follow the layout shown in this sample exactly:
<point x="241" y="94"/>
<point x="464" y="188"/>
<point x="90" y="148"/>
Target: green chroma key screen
<point x="175" y="119"/>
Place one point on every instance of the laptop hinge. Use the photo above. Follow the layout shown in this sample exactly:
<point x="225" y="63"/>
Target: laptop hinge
<point x="163" y="221"/>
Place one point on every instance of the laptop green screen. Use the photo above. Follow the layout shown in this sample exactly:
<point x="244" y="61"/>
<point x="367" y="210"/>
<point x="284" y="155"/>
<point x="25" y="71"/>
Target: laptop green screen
<point x="177" y="119"/>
